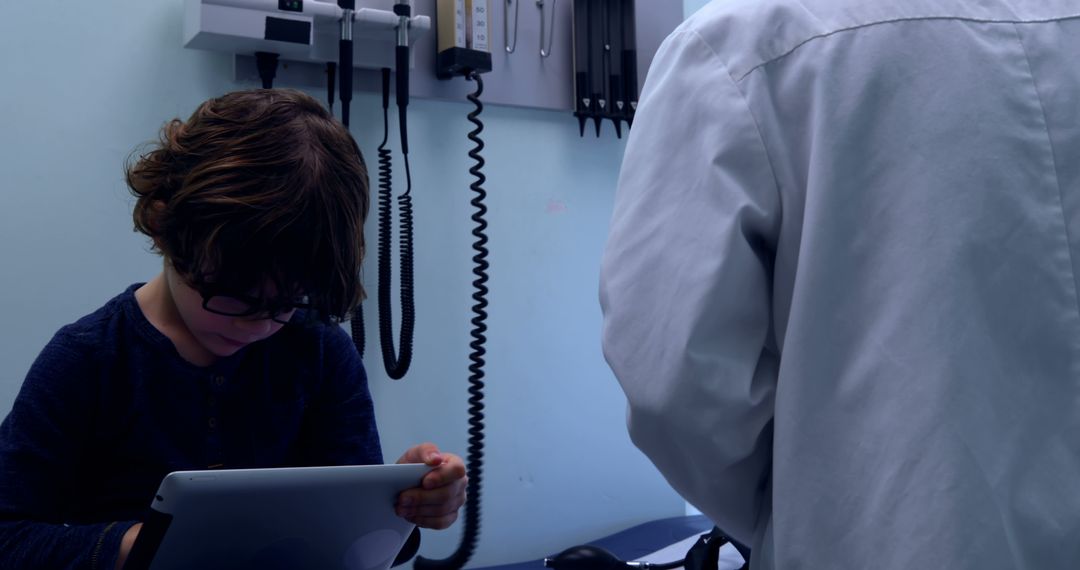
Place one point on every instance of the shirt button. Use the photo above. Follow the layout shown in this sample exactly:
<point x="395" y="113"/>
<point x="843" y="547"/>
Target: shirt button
<point x="212" y="423"/>
<point x="219" y="380"/>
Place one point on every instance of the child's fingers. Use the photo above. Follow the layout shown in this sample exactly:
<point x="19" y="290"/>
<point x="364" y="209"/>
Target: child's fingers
<point x="430" y="511"/>
<point x="419" y="497"/>
<point x="450" y="471"/>
<point x="433" y="503"/>
<point x="426" y="453"/>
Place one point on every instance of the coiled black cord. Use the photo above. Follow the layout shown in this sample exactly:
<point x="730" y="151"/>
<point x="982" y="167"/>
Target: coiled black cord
<point x="475" y="455"/>
<point x="396" y="364"/>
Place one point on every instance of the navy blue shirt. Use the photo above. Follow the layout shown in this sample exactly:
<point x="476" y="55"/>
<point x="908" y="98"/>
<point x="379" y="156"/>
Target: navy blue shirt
<point x="110" y="407"/>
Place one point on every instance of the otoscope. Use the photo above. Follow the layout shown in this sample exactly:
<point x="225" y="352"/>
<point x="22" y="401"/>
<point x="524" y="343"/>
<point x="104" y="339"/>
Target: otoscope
<point x="401" y="71"/>
<point x="396" y="363"/>
<point x="345" y="57"/>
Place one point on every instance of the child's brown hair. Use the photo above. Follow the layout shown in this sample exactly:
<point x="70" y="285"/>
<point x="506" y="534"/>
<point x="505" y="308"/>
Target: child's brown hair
<point x="258" y="185"/>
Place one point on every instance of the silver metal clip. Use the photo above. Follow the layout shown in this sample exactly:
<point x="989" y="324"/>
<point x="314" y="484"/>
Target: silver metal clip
<point x="543" y="24"/>
<point x="510" y="46"/>
<point x="346" y="24"/>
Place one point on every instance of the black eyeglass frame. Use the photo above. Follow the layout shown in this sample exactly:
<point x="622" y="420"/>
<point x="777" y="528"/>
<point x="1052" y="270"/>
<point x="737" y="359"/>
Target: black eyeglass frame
<point x="271" y="309"/>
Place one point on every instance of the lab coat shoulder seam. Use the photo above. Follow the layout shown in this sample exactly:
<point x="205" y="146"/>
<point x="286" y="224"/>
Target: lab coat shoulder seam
<point x="837" y="31"/>
<point x="753" y="119"/>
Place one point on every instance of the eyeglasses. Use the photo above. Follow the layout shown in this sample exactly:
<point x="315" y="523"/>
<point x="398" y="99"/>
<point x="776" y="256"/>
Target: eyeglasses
<point x="236" y="305"/>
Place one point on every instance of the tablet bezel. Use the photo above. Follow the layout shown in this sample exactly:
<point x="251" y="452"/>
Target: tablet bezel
<point x="181" y="528"/>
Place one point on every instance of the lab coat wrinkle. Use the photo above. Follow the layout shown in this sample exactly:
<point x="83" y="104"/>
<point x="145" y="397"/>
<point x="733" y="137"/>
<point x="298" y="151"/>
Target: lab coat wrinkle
<point x="840" y="287"/>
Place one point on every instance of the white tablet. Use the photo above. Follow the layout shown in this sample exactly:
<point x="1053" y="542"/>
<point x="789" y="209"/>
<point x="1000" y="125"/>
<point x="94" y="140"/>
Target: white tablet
<point x="277" y="519"/>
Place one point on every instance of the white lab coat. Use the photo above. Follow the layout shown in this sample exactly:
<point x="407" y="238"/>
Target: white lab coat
<point x="841" y="286"/>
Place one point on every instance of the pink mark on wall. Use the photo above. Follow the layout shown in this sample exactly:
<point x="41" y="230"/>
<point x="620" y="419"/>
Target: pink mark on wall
<point x="556" y="207"/>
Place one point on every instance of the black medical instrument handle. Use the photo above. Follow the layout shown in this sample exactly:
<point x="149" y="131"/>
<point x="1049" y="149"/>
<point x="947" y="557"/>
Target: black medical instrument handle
<point x="596" y="47"/>
<point x="345" y="59"/>
<point x="612" y="45"/>
<point x="331" y="84"/>
<point x="266" y="63"/>
<point x="401" y="93"/>
<point x="629" y="26"/>
<point x="395" y="363"/>
<point x="597" y="61"/>
<point x="475" y="454"/>
<point x="630" y="82"/>
<point x="582" y="80"/>
<point x="629" y="60"/>
<point x="401" y="71"/>
<point x="605" y="52"/>
<point x="614" y="71"/>
<point x="345" y="65"/>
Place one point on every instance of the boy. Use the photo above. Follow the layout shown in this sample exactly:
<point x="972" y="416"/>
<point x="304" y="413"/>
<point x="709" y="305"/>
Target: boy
<point x="229" y="358"/>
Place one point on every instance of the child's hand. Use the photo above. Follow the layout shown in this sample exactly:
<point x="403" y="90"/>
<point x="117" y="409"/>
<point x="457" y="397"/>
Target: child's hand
<point x="126" y="543"/>
<point x="435" y="503"/>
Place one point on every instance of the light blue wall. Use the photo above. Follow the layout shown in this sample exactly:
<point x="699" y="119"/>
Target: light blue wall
<point x="93" y="80"/>
<point x="691" y="6"/>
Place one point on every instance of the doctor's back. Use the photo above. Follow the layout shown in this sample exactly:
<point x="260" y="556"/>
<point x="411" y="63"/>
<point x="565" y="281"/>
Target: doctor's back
<point x="842" y="286"/>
